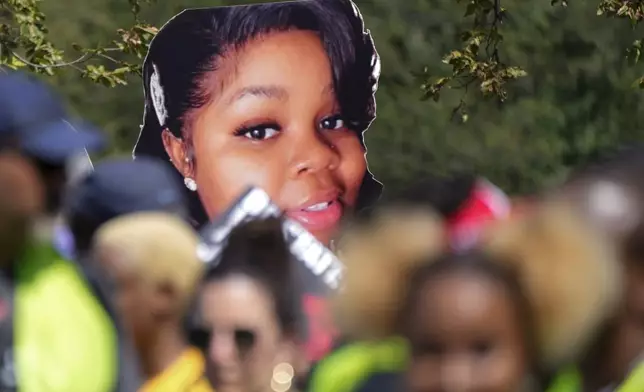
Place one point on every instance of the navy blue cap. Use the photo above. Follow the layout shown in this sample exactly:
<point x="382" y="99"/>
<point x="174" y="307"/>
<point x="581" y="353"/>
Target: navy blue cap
<point x="35" y="116"/>
<point x="123" y="186"/>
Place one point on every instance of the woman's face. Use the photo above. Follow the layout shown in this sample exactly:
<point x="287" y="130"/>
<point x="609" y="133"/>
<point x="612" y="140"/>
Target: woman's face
<point x="246" y="341"/>
<point x="466" y="336"/>
<point x="275" y="123"/>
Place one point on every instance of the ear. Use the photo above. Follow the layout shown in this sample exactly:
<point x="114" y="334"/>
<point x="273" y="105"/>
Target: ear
<point x="178" y="151"/>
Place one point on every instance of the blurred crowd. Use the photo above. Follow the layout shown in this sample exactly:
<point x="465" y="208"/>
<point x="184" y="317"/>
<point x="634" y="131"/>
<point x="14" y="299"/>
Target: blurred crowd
<point x="449" y="285"/>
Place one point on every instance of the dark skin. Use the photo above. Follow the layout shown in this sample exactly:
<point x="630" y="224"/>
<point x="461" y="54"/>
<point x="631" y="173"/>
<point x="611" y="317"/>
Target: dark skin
<point x="466" y="336"/>
<point x="20" y="206"/>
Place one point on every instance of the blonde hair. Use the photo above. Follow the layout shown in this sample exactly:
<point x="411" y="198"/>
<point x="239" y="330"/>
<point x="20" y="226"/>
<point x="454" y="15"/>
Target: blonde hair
<point x="379" y="259"/>
<point x="160" y="247"/>
<point x="571" y="275"/>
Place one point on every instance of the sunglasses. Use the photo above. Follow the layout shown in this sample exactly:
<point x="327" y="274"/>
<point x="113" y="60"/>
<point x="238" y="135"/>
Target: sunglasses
<point x="245" y="339"/>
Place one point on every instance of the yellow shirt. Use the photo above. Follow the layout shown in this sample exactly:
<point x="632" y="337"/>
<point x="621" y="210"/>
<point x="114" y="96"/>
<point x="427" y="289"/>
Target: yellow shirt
<point x="64" y="339"/>
<point x="186" y="374"/>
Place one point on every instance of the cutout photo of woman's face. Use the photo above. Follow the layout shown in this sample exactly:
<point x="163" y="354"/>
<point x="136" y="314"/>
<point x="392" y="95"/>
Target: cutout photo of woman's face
<point x="274" y="122"/>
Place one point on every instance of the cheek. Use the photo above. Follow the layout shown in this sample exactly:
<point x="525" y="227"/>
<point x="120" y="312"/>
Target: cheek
<point x="132" y="306"/>
<point x="26" y="197"/>
<point x="264" y="356"/>
<point x="353" y="166"/>
<point x="423" y="374"/>
<point x="222" y="176"/>
<point x="506" y="369"/>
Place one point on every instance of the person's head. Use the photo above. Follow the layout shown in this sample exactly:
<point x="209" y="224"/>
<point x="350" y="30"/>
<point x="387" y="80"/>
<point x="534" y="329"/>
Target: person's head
<point x="469" y="326"/>
<point x="33" y="116"/>
<point x="552" y="278"/>
<point x="464" y="315"/>
<point x="610" y="195"/>
<point x="250" y="307"/>
<point x="151" y="258"/>
<point x="272" y="95"/>
<point x="117" y="187"/>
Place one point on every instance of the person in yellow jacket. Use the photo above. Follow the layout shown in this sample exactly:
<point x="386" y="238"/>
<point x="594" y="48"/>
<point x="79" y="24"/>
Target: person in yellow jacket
<point x="57" y="329"/>
<point x="152" y="259"/>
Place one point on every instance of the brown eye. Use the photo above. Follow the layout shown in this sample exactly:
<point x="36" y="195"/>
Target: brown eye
<point x="259" y="132"/>
<point x="332" y="123"/>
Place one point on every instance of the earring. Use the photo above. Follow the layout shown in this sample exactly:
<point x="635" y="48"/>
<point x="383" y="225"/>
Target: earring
<point x="282" y="379"/>
<point x="190" y="183"/>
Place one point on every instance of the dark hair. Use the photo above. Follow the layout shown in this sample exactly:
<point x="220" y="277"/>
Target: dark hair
<point x="190" y="44"/>
<point x="257" y="249"/>
<point x="444" y="194"/>
<point x="482" y="265"/>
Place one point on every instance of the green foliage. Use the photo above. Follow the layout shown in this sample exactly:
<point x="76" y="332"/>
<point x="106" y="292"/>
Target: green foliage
<point x="558" y="78"/>
<point x="25" y="43"/>
<point x="478" y="60"/>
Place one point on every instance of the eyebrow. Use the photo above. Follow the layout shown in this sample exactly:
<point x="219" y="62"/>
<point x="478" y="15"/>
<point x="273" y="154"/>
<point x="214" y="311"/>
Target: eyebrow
<point x="271" y="92"/>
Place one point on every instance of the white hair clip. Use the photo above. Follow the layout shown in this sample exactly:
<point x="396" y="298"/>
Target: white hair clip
<point x="158" y="97"/>
<point x="375" y="64"/>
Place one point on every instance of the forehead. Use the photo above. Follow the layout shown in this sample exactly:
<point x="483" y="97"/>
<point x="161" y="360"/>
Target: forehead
<point x="115" y="259"/>
<point x="236" y="300"/>
<point x="291" y="59"/>
<point x="464" y="301"/>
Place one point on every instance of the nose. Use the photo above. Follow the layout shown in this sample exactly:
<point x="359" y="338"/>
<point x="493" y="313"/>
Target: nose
<point x="456" y="375"/>
<point x="221" y="350"/>
<point x="313" y="153"/>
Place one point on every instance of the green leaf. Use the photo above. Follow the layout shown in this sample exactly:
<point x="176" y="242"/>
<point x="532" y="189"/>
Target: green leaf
<point x="487" y="86"/>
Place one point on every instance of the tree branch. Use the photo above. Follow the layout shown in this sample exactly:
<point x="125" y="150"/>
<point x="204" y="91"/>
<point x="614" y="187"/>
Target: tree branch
<point x="79" y="60"/>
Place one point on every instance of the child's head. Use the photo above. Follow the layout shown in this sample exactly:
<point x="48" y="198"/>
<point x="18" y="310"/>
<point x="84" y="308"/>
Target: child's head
<point x="469" y="324"/>
<point x="527" y="301"/>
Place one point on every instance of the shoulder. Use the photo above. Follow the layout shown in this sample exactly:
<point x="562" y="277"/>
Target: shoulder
<point x="351" y="364"/>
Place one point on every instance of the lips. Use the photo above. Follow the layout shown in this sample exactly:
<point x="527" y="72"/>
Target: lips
<point x="320" y="213"/>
